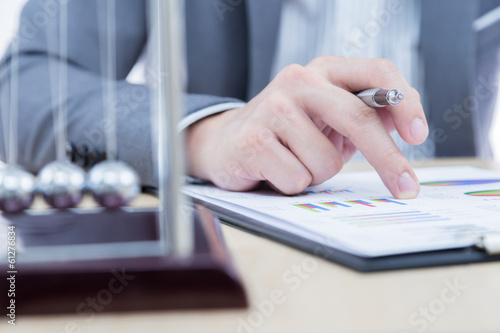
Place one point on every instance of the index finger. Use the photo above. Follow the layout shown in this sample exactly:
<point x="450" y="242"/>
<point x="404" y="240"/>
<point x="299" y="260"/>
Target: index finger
<point x="348" y="115"/>
<point x="357" y="74"/>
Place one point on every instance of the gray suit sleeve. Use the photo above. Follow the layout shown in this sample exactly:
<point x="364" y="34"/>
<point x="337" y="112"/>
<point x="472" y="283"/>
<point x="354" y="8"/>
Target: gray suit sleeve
<point x="86" y="124"/>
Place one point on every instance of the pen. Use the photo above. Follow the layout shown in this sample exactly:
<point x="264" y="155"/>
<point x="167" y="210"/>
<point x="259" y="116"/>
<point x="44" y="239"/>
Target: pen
<point x="380" y="97"/>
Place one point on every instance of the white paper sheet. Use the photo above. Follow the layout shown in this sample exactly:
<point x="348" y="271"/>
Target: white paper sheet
<point x="354" y="212"/>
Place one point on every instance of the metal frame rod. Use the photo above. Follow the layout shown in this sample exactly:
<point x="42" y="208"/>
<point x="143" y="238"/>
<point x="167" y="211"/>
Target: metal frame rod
<point x="168" y="55"/>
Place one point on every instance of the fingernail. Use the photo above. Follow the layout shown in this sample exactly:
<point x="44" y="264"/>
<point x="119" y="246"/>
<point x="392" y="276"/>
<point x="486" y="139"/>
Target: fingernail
<point x="408" y="188"/>
<point x="418" y="130"/>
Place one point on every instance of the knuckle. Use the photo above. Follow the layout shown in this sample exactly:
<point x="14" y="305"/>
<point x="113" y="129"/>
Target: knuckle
<point x="234" y="168"/>
<point x="414" y="94"/>
<point x="385" y="68"/>
<point x="331" y="168"/>
<point x="392" y="156"/>
<point x="276" y="112"/>
<point x="274" y="104"/>
<point x="361" y="118"/>
<point x="323" y="60"/>
<point x="335" y="165"/>
<point x="246" y="142"/>
<point x="280" y="117"/>
<point x="294" y="73"/>
<point x="265" y="136"/>
<point x="252" y="141"/>
<point x="298" y="184"/>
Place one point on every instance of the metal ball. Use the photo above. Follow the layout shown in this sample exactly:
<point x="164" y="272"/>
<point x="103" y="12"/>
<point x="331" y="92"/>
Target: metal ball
<point x="62" y="184"/>
<point x="113" y="183"/>
<point x="17" y="188"/>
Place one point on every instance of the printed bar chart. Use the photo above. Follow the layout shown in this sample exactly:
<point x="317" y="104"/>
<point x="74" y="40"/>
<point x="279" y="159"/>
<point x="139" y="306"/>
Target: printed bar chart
<point x="360" y="202"/>
<point x="346" y="204"/>
<point x="334" y="204"/>
<point x="461" y="182"/>
<point x="374" y="220"/>
<point x="490" y="193"/>
<point x="310" y="207"/>
<point x="389" y="201"/>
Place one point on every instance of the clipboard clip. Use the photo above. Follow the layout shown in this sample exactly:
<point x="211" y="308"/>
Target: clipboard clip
<point x="490" y="243"/>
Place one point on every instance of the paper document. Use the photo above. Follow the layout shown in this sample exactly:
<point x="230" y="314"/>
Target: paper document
<point x="354" y="212"/>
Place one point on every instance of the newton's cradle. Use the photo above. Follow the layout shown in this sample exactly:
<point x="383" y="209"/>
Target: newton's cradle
<point x="173" y="256"/>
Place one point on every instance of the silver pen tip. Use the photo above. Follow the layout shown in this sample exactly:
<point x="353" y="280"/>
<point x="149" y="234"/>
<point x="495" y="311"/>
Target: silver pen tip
<point x="394" y="97"/>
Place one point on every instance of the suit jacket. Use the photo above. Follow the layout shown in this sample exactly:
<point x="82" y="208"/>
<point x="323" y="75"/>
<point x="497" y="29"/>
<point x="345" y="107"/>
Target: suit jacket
<point x="230" y="48"/>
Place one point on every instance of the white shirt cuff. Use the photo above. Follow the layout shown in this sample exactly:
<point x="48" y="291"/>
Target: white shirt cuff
<point x="203" y="113"/>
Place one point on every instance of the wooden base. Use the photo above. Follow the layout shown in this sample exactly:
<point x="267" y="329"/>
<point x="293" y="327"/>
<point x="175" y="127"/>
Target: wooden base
<point x="204" y="279"/>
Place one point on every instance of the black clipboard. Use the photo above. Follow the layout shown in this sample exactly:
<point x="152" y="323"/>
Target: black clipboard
<point x="467" y="255"/>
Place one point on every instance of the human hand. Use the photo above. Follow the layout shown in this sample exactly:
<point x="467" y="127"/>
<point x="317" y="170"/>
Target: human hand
<point x="302" y="128"/>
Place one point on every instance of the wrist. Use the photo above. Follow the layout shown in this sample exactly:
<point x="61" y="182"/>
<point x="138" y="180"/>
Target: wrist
<point x="203" y="144"/>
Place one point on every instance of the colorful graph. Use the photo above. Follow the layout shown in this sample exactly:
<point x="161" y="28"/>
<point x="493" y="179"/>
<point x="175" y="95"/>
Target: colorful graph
<point x="461" y="182"/>
<point x="334" y="204"/>
<point x="360" y="202"/>
<point x="345" y="204"/>
<point x="376" y="220"/>
<point x="491" y="193"/>
<point x="310" y="207"/>
<point x="388" y="200"/>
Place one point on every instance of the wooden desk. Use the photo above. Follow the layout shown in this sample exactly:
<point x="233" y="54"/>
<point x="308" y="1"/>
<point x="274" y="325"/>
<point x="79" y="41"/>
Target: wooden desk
<point x="312" y="295"/>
